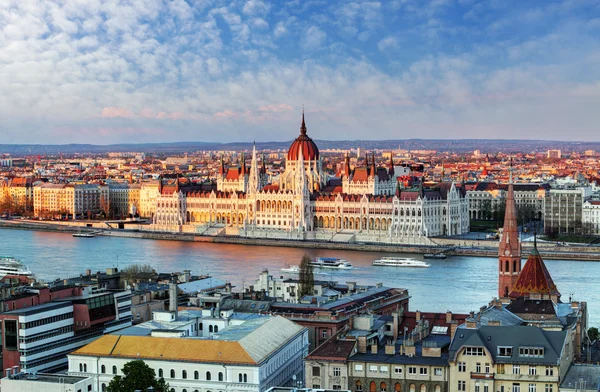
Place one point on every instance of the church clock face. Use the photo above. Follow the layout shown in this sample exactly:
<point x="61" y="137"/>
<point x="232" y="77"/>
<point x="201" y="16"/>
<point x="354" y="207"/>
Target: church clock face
<point x="506" y="252"/>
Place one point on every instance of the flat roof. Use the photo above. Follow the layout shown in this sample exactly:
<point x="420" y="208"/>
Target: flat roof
<point x="38" y="309"/>
<point x="48" y="378"/>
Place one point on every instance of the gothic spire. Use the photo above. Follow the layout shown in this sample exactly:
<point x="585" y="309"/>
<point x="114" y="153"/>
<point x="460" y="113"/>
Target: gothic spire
<point x="303" y="126"/>
<point x="221" y="167"/>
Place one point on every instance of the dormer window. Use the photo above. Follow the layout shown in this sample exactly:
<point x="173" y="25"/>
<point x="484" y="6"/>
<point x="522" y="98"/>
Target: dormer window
<point x="531" y="352"/>
<point x="477" y="351"/>
<point x="505" y="351"/>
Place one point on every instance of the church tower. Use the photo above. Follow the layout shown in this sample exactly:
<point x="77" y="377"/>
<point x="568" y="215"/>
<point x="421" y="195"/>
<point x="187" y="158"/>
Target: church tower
<point x="509" y="249"/>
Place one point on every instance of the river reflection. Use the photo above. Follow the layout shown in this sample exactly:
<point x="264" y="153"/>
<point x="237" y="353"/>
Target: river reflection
<point x="460" y="284"/>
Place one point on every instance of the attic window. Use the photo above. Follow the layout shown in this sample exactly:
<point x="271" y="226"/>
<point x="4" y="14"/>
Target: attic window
<point x="531" y="352"/>
<point x="477" y="351"/>
<point x="505" y="351"/>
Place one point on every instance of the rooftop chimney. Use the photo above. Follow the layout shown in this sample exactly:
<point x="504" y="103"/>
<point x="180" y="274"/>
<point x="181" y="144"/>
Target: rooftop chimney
<point x="173" y="299"/>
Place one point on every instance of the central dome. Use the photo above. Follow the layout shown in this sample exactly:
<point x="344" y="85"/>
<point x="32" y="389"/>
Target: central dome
<point x="303" y="143"/>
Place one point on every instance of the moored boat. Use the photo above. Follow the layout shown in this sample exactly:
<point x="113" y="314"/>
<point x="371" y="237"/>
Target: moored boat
<point x="435" y="256"/>
<point x="12" y="266"/>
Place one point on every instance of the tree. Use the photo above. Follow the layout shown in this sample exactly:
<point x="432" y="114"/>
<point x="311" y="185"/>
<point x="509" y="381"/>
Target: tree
<point x="306" y="278"/>
<point x="137" y="376"/>
<point x="593" y="334"/>
<point x="136" y="273"/>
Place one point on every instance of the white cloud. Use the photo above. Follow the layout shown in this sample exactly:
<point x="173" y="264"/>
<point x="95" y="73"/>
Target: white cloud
<point x="387" y="43"/>
<point x="313" y="38"/>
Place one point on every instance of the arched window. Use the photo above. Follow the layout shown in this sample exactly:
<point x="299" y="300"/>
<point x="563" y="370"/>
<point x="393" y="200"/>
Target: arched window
<point x="184" y="390"/>
<point x="172" y="373"/>
<point x="114" y="370"/>
<point x="216" y="328"/>
<point x="397" y="387"/>
<point x="423" y="388"/>
<point x="358" y="386"/>
<point x="200" y="327"/>
<point x="240" y="377"/>
<point x="372" y="387"/>
<point x="515" y="266"/>
<point x="81" y="367"/>
<point x="160" y="373"/>
<point x="196" y="375"/>
<point x="85" y="367"/>
<point x="506" y="266"/>
<point x="245" y="377"/>
<point x="383" y="387"/>
<point x="412" y="388"/>
<point x="103" y="387"/>
<point x="210" y="328"/>
<point x="208" y="376"/>
<point x="184" y="374"/>
<point x="220" y="376"/>
<point x="102" y="369"/>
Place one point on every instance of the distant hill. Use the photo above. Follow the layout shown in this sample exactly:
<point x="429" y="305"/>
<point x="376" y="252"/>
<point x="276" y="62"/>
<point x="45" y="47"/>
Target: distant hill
<point x="491" y="146"/>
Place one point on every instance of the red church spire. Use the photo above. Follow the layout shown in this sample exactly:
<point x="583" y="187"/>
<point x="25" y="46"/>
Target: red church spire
<point x="535" y="279"/>
<point x="221" y="167"/>
<point x="509" y="249"/>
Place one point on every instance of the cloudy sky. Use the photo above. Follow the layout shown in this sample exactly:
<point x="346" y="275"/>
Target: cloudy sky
<point x="113" y="71"/>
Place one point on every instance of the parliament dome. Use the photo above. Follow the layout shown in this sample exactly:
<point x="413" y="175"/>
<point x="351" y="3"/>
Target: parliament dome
<point x="310" y="151"/>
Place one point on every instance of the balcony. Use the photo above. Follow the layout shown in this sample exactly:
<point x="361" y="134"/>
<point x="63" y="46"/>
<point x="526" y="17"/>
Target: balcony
<point x="482" y="376"/>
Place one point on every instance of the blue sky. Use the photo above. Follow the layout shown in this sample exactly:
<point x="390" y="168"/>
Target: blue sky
<point x="110" y="71"/>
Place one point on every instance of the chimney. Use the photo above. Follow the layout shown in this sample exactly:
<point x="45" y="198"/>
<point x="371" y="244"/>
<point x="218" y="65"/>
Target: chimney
<point x="351" y="286"/>
<point x="187" y="275"/>
<point x="453" y="326"/>
<point x="493" y="323"/>
<point x="173" y="299"/>
<point x="418" y="316"/>
<point x="396" y="318"/>
<point x="448" y="316"/>
<point x="390" y="348"/>
<point x="373" y="349"/>
<point x="15" y="370"/>
<point x="88" y="272"/>
<point x="7" y="373"/>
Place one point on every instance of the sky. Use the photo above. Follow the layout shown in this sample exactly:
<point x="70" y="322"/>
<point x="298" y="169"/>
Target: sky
<point x="116" y="71"/>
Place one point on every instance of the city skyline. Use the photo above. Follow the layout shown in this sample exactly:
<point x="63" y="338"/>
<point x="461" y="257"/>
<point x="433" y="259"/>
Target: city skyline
<point x="107" y="72"/>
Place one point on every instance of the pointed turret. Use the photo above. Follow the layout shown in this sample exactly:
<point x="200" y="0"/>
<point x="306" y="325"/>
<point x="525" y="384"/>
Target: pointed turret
<point x="391" y="165"/>
<point x="535" y="280"/>
<point x="347" y="165"/>
<point x="221" y="167"/>
<point x="303" y="126"/>
<point x="244" y="171"/>
<point x="263" y="167"/>
<point x="253" y="181"/>
<point x="509" y="249"/>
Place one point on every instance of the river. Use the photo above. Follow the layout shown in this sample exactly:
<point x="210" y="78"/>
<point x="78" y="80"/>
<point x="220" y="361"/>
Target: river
<point x="459" y="284"/>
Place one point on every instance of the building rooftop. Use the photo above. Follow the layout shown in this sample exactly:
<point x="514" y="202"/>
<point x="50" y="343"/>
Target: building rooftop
<point x="39" y="308"/>
<point x="48" y="378"/>
<point x="582" y="377"/>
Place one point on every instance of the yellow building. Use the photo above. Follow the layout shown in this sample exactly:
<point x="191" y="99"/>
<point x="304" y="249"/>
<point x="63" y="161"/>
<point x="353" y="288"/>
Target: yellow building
<point x="509" y="359"/>
<point x="72" y="199"/>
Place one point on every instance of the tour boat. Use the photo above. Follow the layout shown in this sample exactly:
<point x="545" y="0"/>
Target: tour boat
<point x="12" y="266"/>
<point x="330" y="262"/>
<point x="434" y="255"/>
<point x="400" y="262"/>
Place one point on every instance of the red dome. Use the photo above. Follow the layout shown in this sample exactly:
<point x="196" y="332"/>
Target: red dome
<point x="310" y="152"/>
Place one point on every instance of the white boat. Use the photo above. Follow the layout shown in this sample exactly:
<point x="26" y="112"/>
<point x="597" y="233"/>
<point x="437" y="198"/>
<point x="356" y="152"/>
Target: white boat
<point x="331" y="263"/>
<point x="84" y="235"/>
<point x="291" y="269"/>
<point x="12" y="266"/>
<point x="400" y="262"/>
<point x="440" y="256"/>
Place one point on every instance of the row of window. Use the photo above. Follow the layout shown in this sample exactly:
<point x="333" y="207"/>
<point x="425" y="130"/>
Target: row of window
<point x="47" y="320"/>
<point x="242" y="377"/>
<point x="373" y="387"/>
<point x="423" y="371"/>
<point x="516" y="369"/>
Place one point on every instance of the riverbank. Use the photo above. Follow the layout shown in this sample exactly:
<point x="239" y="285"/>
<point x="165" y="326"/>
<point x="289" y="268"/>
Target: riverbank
<point x="474" y="248"/>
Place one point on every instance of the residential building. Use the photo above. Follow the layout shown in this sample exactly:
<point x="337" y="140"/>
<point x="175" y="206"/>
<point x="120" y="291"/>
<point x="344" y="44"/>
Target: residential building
<point x="590" y="217"/>
<point x="124" y="199"/>
<point x="509" y="359"/>
<point x="77" y="200"/>
<point x="252" y="356"/>
<point x="564" y="210"/>
<point x="149" y="191"/>
<point x="554" y="154"/>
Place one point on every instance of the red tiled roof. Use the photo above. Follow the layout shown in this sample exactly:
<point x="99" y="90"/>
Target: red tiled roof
<point x="534" y="278"/>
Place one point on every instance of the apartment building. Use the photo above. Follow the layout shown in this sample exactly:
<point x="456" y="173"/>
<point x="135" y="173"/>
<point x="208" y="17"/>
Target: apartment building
<point x="72" y="199"/>
<point x="591" y="217"/>
<point x="509" y="359"/>
<point x="124" y="199"/>
<point x="563" y="211"/>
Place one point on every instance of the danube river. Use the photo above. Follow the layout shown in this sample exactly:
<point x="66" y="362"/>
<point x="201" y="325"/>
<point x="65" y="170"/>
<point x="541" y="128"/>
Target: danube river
<point x="460" y="284"/>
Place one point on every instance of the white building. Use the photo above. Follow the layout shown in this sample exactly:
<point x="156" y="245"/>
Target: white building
<point x="591" y="217"/>
<point x="253" y="356"/>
